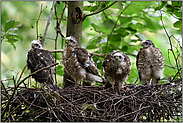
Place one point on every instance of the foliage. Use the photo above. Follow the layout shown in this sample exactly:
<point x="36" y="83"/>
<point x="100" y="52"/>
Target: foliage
<point x="8" y="33"/>
<point x="121" y="26"/>
<point x="132" y="27"/>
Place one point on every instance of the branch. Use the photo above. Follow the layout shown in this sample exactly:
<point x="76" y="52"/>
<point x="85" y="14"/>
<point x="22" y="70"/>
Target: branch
<point x="23" y="81"/>
<point x="101" y="9"/>
<point x="39" y="19"/>
<point x="48" y="23"/>
<point x="115" y="25"/>
<point x="131" y="113"/>
<point x="171" y="46"/>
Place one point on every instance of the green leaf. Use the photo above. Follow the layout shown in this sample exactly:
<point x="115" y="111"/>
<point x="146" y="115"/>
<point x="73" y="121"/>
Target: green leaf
<point x="133" y="31"/>
<point x="137" y="7"/>
<point x="16" y="23"/>
<point x="87" y="8"/>
<point x="9" y="24"/>
<point x="60" y="70"/>
<point x="94" y="8"/>
<point x="178" y="24"/>
<point x="12" y="42"/>
<point x="170" y="8"/>
<point x="96" y="28"/>
<point x="177" y="3"/>
<point x="115" y="37"/>
<point x="19" y="37"/>
<point x="140" y="36"/>
<point x="136" y="26"/>
<point x="91" y="1"/>
<point x="122" y="31"/>
<point x="14" y="35"/>
<point x="59" y="8"/>
<point x="124" y="48"/>
<point x="178" y="14"/>
<point x="124" y="20"/>
<point x="93" y="44"/>
<point x="86" y="23"/>
<point x="109" y="23"/>
<point x="149" y="23"/>
<point x="119" y="5"/>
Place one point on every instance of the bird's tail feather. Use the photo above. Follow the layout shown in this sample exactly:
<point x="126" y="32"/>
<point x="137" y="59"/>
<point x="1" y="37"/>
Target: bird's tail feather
<point x="91" y="77"/>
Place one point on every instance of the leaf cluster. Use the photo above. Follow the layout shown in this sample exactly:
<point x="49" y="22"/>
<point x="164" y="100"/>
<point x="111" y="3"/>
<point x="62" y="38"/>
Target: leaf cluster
<point x="8" y="33"/>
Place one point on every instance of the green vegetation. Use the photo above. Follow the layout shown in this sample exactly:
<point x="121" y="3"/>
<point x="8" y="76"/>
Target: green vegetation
<point x="125" y="24"/>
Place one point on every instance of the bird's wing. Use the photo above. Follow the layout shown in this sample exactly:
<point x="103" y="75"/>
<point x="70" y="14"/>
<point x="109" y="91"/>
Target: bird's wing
<point x="45" y="57"/>
<point x="85" y="60"/>
<point x="137" y="58"/>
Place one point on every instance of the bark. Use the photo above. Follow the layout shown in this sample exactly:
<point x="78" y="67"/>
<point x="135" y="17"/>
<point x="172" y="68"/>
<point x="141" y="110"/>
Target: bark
<point x="74" y="28"/>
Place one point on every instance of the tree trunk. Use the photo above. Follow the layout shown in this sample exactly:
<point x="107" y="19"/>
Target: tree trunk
<point x="74" y="28"/>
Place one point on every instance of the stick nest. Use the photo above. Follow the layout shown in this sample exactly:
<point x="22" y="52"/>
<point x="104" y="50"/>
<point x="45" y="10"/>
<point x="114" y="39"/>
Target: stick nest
<point x="135" y="103"/>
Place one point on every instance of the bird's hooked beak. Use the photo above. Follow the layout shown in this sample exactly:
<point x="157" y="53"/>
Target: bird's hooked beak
<point x="116" y="57"/>
<point x="142" y="43"/>
<point x="66" y="41"/>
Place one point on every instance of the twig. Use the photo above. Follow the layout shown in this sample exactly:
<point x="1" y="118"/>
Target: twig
<point x="49" y="107"/>
<point x="13" y="111"/>
<point x="115" y="25"/>
<point x="136" y="80"/>
<point x="3" y="87"/>
<point x="131" y="113"/>
<point x="56" y="41"/>
<point x="5" y="35"/>
<point x="40" y="114"/>
<point x="101" y="9"/>
<point x="21" y="74"/>
<point x="60" y="23"/>
<point x="48" y="23"/>
<point x="171" y="46"/>
<point x="30" y="105"/>
<point x="23" y="81"/>
<point x="39" y="19"/>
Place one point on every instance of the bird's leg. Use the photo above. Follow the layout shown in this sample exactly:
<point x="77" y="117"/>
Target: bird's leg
<point x="81" y="83"/>
<point x="113" y="83"/>
<point x="76" y="82"/>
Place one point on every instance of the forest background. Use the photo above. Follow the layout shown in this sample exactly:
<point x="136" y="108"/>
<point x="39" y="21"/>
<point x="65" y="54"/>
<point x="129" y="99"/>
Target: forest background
<point x="126" y="22"/>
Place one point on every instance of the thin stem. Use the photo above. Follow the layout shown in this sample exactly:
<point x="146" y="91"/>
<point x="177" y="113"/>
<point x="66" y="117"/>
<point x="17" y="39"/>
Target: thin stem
<point x="48" y="23"/>
<point x="101" y="9"/>
<point x="39" y="19"/>
<point x="115" y="25"/>
<point x="23" y="81"/>
<point x="171" y="46"/>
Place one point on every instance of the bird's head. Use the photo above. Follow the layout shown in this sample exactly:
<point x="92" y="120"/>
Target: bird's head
<point x="71" y="41"/>
<point x="118" y="57"/>
<point x="35" y="44"/>
<point x="147" y="43"/>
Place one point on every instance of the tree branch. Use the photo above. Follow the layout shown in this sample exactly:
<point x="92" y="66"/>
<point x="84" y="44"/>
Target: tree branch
<point x="39" y="19"/>
<point x="48" y="23"/>
<point x="101" y="9"/>
<point x="171" y="46"/>
<point x="115" y="26"/>
<point x="21" y="82"/>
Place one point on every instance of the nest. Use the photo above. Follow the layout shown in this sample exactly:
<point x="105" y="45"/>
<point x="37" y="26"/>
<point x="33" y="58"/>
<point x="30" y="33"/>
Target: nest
<point x="133" y="103"/>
